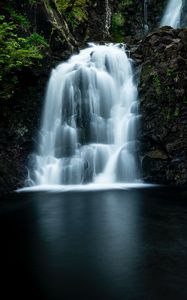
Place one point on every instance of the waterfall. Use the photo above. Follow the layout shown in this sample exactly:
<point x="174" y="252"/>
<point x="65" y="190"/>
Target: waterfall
<point x="146" y="27"/>
<point x="88" y="132"/>
<point x="172" y="14"/>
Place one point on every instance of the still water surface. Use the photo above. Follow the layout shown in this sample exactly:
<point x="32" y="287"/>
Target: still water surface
<point x="126" y="245"/>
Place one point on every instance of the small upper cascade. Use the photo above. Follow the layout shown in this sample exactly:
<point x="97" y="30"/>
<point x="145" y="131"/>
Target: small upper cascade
<point x="146" y="27"/>
<point x="88" y="133"/>
<point x="183" y="21"/>
<point x="172" y="14"/>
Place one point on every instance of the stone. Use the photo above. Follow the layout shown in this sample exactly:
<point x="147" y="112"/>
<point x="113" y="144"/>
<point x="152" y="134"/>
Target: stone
<point x="163" y="106"/>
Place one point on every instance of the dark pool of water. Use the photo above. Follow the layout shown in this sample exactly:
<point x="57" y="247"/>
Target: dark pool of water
<point x="94" y="245"/>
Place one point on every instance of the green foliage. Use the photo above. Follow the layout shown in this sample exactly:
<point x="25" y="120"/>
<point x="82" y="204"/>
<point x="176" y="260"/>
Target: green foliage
<point x="125" y="3"/>
<point x="75" y="11"/>
<point x="177" y="111"/>
<point x="170" y="72"/>
<point x="32" y="2"/>
<point x="118" y="20"/>
<point x="18" y="18"/>
<point x="15" y="54"/>
<point x="146" y="72"/>
<point x="117" y="26"/>
<point x="171" y="113"/>
<point x="37" y="40"/>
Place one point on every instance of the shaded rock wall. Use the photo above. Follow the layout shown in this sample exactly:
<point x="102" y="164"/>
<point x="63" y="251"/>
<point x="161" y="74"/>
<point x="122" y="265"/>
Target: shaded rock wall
<point x="163" y="106"/>
<point x="137" y="14"/>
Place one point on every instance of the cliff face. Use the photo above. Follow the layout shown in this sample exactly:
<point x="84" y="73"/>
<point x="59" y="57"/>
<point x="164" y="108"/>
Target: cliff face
<point x="163" y="106"/>
<point x="161" y="56"/>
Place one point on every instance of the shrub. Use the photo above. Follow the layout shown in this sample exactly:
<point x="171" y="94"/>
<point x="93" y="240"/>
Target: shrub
<point x="16" y="53"/>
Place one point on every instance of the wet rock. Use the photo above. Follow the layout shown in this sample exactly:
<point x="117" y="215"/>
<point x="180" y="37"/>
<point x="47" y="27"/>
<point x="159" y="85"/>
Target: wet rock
<point x="163" y="105"/>
<point x="157" y="154"/>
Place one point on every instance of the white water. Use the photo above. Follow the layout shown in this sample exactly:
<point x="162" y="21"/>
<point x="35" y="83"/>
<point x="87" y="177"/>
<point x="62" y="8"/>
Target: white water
<point x="172" y="14"/>
<point x="146" y="27"/>
<point x="88" y="133"/>
<point x="86" y="187"/>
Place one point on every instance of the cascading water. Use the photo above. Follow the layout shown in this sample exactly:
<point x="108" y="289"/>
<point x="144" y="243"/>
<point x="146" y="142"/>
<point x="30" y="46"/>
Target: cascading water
<point x="172" y="14"/>
<point x="146" y="27"/>
<point x="89" y="124"/>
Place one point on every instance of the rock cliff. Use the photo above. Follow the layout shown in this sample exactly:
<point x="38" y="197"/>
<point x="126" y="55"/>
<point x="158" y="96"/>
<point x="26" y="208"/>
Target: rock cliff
<point x="163" y="105"/>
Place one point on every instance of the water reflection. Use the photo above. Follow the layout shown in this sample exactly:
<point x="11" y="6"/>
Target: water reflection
<point x="90" y="233"/>
<point x="125" y="245"/>
<point x="118" y="238"/>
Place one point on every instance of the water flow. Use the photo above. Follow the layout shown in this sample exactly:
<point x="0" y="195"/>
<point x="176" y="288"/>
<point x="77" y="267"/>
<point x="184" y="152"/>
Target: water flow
<point x="89" y="123"/>
<point x="146" y="27"/>
<point x="172" y="14"/>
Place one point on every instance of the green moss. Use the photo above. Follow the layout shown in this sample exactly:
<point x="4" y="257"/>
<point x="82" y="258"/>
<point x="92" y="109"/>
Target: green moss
<point x="170" y="73"/>
<point x="76" y="12"/>
<point x="125" y="3"/>
<point x="118" y="20"/>
<point x="177" y="112"/>
<point x="32" y="2"/>
<point x="117" y="26"/>
<point x="168" y="113"/>
<point x="157" y="84"/>
<point x="171" y="113"/>
<point x="145" y="74"/>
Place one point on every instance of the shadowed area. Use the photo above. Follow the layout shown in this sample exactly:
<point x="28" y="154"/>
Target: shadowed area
<point x="127" y="244"/>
